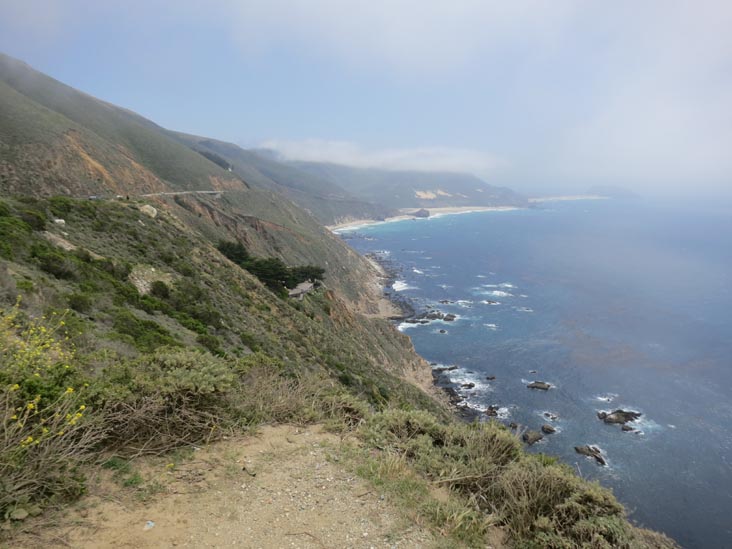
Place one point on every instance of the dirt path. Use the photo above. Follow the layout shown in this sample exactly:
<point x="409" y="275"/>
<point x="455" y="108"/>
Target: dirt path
<point x="277" y="489"/>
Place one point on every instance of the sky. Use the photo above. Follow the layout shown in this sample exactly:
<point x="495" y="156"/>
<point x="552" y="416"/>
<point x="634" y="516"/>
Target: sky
<point x="540" y="95"/>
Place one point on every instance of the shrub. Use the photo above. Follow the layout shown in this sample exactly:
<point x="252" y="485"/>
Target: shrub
<point x="210" y="342"/>
<point x="249" y="340"/>
<point x="145" y="335"/>
<point x="13" y="234"/>
<point x="46" y="432"/>
<point x="119" y="270"/>
<point x="164" y="400"/>
<point x="35" y="219"/>
<point x="80" y="302"/>
<point x="160" y="289"/>
<point x="54" y="262"/>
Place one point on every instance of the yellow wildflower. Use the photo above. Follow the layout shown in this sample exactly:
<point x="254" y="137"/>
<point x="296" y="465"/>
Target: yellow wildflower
<point x="15" y="387"/>
<point x="82" y="407"/>
<point x="30" y="406"/>
<point x="69" y="390"/>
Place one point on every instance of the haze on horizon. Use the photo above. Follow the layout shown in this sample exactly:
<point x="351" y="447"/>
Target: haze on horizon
<point x="540" y="96"/>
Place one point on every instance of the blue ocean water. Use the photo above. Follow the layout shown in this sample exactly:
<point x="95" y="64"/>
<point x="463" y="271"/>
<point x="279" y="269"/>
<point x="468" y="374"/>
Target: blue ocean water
<point x="618" y="305"/>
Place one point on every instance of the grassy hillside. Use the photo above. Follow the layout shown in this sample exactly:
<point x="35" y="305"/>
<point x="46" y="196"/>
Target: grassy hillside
<point x="58" y="137"/>
<point x="123" y="334"/>
<point x="56" y="140"/>
<point x="326" y="200"/>
<point x="411" y="189"/>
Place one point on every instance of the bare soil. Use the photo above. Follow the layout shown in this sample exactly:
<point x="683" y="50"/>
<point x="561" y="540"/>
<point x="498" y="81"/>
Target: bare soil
<point x="283" y="487"/>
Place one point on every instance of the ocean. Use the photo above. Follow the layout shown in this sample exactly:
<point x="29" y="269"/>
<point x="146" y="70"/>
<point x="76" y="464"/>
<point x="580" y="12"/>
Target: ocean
<point x="616" y="304"/>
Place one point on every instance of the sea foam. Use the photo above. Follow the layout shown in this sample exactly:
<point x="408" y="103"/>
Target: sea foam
<point x="401" y="285"/>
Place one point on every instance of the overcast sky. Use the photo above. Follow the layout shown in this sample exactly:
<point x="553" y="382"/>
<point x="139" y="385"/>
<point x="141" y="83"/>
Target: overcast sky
<point x="536" y="94"/>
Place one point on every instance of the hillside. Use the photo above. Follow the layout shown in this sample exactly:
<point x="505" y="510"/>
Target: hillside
<point x="55" y="140"/>
<point x="327" y="201"/>
<point x="413" y="189"/>
<point x="157" y="323"/>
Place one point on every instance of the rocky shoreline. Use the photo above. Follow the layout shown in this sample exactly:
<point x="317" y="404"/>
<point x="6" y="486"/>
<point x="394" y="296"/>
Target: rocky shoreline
<point x="456" y="394"/>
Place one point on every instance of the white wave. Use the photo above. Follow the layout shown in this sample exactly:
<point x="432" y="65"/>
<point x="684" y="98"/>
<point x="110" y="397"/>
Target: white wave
<point x="481" y="276"/>
<point x="502" y="412"/>
<point x="486" y="302"/>
<point x="506" y="285"/>
<point x="606" y="397"/>
<point x="492" y="327"/>
<point x="464" y="303"/>
<point x="406" y="325"/>
<point x="444" y="286"/>
<point x="401" y="285"/>
<point x="461" y="377"/>
<point x="500" y="293"/>
<point x="525" y="309"/>
<point x="415" y="270"/>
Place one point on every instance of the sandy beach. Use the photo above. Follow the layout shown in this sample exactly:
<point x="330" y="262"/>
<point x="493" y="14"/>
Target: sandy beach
<point x="406" y="213"/>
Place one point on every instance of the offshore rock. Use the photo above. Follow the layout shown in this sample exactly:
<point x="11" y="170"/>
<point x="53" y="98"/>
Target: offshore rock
<point x="541" y="385"/>
<point x="591" y="451"/>
<point x="530" y="437"/>
<point x="618" y="416"/>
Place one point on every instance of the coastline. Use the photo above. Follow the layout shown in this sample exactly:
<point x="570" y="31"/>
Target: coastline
<point x="404" y="215"/>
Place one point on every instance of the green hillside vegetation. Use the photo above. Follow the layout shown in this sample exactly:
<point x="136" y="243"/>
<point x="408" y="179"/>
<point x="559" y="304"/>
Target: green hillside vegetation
<point x="55" y="140"/>
<point x="57" y="136"/>
<point x="93" y="367"/>
<point x="270" y="271"/>
<point x="328" y="201"/>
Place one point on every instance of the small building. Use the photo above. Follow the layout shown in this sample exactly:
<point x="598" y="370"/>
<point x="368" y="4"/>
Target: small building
<point x="301" y="289"/>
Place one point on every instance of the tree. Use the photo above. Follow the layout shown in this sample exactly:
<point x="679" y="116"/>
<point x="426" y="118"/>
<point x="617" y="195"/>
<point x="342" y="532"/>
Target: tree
<point x="235" y="251"/>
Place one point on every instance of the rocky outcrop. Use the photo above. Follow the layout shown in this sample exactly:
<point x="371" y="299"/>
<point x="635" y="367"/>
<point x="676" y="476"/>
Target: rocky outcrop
<point x="531" y="437"/>
<point x="548" y="429"/>
<point x="618" y="416"/>
<point x="421" y="213"/>
<point x="541" y="385"/>
<point x="591" y="451"/>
